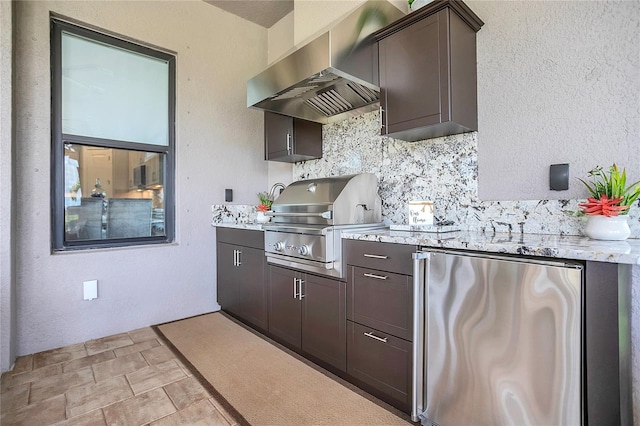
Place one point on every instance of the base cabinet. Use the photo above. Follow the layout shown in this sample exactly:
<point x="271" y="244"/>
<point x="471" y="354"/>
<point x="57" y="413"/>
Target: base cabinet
<point x="241" y="275"/>
<point x="309" y="314"/>
<point x="382" y="362"/>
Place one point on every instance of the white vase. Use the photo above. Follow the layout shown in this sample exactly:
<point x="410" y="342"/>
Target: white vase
<point x="614" y="228"/>
<point x="262" y="218"/>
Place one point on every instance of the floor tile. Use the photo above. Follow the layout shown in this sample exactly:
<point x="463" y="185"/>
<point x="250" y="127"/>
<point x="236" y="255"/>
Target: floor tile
<point x="118" y="366"/>
<point x="108" y="343"/>
<point x="5" y="381"/>
<point x="155" y="376"/>
<point x="87" y="361"/>
<point x="142" y="409"/>
<point x="224" y="412"/>
<point x="55" y="356"/>
<point x="59" y="384"/>
<point x="45" y="412"/>
<point x="14" y="399"/>
<point x="137" y="347"/>
<point x="185" y="392"/>
<point x="158" y="355"/>
<point x="186" y="369"/>
<point x="87" y="398"/>
<point x="92" y="418"/>
<point x="143" y="334"/>
<point x="202" y="413"/>
<point x="23" y="364"/>
<point x="40" y="373"/>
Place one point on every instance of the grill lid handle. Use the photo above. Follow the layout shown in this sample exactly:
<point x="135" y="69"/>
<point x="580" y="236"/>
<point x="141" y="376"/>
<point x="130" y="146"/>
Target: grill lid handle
<point x="325" y="215"/>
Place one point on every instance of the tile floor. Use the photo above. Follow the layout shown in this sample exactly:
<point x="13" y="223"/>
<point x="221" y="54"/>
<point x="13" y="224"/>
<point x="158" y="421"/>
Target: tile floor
<point x="128" y="379"/>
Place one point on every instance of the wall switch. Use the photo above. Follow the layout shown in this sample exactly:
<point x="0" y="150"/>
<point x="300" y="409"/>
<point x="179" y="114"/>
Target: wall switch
<point x="90" y="289"/>
<point x="228" y="195"/>
<point x="559" y="177"/>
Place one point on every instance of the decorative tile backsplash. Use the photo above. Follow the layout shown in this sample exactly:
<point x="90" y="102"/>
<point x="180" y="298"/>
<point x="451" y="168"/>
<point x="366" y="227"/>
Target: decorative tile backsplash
<point x="443" y="170"/>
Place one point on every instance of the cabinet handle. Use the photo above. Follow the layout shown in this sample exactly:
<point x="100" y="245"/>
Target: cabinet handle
<point x="295" y="288"/>
<point x="235" y="258"/>
<point x="375" y="256"/>
<point x="378" y="277"/>
<point x="288" y="143"/>
<point x="300" y="295"/>
<point x="381" y="339"/>
<point x="381" y="119"/>
<point x="239" y="258"/>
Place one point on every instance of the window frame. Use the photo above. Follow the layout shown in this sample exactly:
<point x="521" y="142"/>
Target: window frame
<point x="59" y="139"/>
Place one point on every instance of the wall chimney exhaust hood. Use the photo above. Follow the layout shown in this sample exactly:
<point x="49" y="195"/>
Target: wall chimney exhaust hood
<point x="333" y="77"/>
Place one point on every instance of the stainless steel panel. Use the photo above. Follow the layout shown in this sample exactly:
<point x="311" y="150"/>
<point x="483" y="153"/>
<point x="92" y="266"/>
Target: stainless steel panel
<point x="333" y="77"/>
<point x="503" y="342"/>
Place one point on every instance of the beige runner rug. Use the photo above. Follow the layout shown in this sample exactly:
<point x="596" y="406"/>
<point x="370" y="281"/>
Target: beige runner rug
<point x="265" y="384"/>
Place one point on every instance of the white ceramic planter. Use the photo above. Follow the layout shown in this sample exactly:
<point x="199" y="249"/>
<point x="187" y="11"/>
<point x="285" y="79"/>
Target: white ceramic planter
<point x="262" y="218"/>
<point x="615" y="228"/>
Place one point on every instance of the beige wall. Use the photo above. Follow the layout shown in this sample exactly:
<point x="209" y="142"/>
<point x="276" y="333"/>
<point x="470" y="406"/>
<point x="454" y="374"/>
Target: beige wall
<point x="218" y="145"/>
<point x="7" y="208"/>
<point x="557" y="82"/>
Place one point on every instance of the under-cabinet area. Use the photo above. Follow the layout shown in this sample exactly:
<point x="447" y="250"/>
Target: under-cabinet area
<point x="408" y="316"/>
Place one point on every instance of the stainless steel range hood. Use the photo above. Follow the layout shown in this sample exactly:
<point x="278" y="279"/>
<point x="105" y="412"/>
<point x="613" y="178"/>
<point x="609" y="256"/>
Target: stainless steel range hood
<point x="331" y="78"/>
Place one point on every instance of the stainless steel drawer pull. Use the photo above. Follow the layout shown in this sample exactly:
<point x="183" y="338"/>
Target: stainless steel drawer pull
<point x="378" y="277"/>
<point x="381" y="339"/>
<point x="295" y="288"/>
<point x="375" y="256"/>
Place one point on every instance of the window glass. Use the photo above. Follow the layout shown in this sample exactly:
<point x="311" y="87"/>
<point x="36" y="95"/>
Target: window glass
<point x="113" y="140"/>
<point x="97" y="79"/>
<point x="112" y="193"/>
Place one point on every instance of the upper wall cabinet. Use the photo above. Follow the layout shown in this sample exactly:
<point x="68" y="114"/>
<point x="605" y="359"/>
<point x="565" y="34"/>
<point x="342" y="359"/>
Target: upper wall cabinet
<point x="428" y="72"/>
<point x="290" y="139"/>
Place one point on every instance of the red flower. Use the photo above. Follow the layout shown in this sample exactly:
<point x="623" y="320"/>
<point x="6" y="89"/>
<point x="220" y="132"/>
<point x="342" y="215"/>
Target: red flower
<point x="263" y="207"/>
<point x="604" y="206"/>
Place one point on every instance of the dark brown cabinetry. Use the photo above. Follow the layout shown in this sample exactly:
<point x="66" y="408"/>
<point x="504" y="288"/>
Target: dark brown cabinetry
<point x="380" y="319"/>
<point x="308" y="313"/>
<point x="289" y="139"/>
<point x="241" y="269"/>
<point x="427" y="66"/>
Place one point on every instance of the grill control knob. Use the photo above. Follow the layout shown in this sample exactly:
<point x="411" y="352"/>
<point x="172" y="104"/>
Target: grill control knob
<point x="304" y="250"/>
<point x="279" y="246"/>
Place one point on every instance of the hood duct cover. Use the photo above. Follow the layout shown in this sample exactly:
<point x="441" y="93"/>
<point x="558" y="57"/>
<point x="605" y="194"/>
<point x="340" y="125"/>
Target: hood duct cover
<point x="333" y="77"/>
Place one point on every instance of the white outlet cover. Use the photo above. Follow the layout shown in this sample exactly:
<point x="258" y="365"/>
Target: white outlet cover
<point x="90" y="289"/>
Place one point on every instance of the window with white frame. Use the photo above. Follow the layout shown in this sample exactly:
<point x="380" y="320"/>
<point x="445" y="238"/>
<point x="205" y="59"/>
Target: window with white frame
<point x="113" y="109"/>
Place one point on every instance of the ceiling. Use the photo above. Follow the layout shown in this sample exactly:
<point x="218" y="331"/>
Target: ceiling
<point x="262" y="12"/>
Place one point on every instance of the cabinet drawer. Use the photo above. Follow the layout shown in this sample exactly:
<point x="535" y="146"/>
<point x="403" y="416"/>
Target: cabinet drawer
<point x="381" y="300"/>
<point x="240" y="237"/>
<point x="381" y="256"/>
<point x="380" y="361"/>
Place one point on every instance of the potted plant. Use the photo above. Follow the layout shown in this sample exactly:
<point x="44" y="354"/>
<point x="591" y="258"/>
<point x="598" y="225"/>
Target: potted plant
<point x="608" y="207"/>
<point x="263" y="207"/>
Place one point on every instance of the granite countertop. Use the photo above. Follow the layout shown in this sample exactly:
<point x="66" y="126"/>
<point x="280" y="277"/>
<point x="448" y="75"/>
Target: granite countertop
<point x="250" y="226"/>
<point x="558" y="246"/>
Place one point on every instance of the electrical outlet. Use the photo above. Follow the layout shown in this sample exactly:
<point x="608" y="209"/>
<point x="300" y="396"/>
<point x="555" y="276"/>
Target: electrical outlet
<point x="90" y="289"/>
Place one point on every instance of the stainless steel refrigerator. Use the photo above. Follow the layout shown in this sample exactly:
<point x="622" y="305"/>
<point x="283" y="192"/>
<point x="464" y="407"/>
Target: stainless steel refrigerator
<point x="498" y="340"/>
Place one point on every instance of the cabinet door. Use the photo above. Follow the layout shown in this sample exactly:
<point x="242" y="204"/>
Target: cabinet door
<point x="324" y="320"/>
<point x="284" y="308"/>
<point x="227" y="276"/>
<point x="252" y="291"/>
<point x="413" y="72"/>
<point x="382" y="300"/>
<point x="278" y="135"/>
<point x="382" y="362"/>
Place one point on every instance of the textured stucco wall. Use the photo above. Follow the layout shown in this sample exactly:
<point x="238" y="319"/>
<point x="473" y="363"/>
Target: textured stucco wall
<point x="218" y="145"/>
<point x="7" y="278"/>
<point x="557" y="82"/>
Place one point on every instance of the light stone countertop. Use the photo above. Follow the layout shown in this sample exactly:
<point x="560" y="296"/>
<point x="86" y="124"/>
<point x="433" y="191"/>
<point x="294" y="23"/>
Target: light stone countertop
<point x="543" y="245"/>
<point x="556" y="246"/>
<point x="249" y="226"/>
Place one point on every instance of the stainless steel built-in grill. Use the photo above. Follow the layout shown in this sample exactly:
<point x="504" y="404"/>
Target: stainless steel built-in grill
<point x="309" y="216"/>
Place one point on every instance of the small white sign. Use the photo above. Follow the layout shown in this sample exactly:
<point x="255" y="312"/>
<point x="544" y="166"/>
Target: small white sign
<point x="420" y="213"/>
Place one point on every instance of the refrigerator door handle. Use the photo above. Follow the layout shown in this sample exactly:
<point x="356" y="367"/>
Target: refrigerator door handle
<point x="418" y="383"/>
